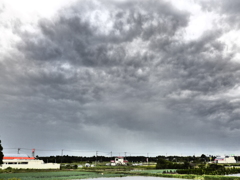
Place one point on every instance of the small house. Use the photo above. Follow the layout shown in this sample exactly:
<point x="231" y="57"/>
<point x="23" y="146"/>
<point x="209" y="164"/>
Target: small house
<point x="225" y="159"/>
<point x="118" y="161"/>
<point x="21" y="161"/>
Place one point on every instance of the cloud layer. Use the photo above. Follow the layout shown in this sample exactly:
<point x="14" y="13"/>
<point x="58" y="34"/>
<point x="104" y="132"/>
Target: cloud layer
<point x="121" y="76"/>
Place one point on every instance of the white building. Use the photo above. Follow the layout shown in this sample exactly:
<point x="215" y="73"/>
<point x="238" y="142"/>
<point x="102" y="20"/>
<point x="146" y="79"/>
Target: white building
<point x="19" y="161"/>
<point x="118" y="161"/>
<point x="225" y="159"/>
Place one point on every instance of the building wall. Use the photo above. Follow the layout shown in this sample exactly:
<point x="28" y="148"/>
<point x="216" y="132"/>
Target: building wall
<point x="28" y="164"/>
<point x="225" y="160"/>
<point x="119" y="160"/>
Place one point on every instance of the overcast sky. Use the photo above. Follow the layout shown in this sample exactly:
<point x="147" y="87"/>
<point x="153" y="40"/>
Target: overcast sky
<point x="157" y="77"/>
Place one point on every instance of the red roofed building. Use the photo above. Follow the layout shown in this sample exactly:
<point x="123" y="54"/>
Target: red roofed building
<point x="225" y="159"/>
<point x="118" y="161"/>
<point x="22" y="161"/>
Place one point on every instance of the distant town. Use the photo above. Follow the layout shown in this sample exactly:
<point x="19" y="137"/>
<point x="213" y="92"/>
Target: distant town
<point x="53" y="162"/>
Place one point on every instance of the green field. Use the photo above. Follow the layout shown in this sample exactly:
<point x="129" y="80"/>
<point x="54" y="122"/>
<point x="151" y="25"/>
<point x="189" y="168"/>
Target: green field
<point x="62" y="175"/>
<point x="97" y="172"/>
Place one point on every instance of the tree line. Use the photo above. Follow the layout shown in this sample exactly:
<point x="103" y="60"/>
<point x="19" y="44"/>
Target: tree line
<point x="212" y="169"/>
<point x="72" y="159"/>
<point x="172" y="159"/>
<point x="1" y="153"/>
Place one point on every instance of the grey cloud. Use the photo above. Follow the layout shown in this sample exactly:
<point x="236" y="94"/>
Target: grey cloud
<point x="228" y="10"/>
<point x="71" y="39"/>
<point x="201" y="64"/>
<point x="75" y="39"/>
<point x="133" y="77"/>
<point x="228" y="7"/>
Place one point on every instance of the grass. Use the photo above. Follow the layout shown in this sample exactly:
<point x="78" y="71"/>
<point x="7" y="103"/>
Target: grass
<point x="103" y="171"/>
<point x="61" y="175"/>
<point x="155" y="171"/>
<point x="184" y="176"/>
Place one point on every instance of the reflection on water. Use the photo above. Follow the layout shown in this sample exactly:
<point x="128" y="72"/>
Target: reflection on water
<point x="233" y="175"/>
<point x="136" y="178"/>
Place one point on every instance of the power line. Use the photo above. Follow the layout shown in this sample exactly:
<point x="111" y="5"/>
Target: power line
<point x="88" y="151"/>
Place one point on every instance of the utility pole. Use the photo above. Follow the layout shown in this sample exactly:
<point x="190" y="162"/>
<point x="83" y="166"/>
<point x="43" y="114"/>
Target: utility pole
<point x="19" y="150"/>
<point x="125" y="154"/>
<point x="61" y="155"/>
<point x="147" y="158"/>
<point x="33" y="152"/>
<point x="96" y="158"/>
<point x="111" y="154"/>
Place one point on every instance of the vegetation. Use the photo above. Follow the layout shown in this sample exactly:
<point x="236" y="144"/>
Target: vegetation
<point x="69" y="166"/>
<point x="74" y="159"/>
<point x="1" y="153"/>
<point x="175" y="159"/>
<point x="164" y="164"/>
<point x="190" y="167"/>
<point x="213" y="169"/>
<point x="159" y="173"/>
<point x="113" y="171"/>
<point x="61" y="175"/>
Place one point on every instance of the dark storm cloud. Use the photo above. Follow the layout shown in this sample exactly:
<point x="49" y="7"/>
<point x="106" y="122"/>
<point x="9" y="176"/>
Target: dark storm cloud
<point x="104" y="69"/>
<point x="201" y="65"/>
<point x="75" y="39"/>
<point x="71" y="39"/>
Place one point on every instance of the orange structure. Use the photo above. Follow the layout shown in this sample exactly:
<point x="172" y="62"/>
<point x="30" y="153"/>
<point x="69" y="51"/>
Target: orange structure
<point x="22" y="161"/>
<point x="16" y="157"/>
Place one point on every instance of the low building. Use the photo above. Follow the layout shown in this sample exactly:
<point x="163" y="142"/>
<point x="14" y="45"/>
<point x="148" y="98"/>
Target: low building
<point x="118" y="161"/>
<point x="225" y="159"/>
<point x="20" y="161"/>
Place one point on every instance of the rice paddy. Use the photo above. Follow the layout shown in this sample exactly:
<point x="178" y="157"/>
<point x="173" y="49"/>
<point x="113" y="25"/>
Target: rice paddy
<point x="61" y="175"/>
<point x="84" y="174"/>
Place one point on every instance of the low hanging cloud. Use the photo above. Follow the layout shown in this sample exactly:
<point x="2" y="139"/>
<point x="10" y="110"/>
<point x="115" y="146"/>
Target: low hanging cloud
<point x="102" y="70"/>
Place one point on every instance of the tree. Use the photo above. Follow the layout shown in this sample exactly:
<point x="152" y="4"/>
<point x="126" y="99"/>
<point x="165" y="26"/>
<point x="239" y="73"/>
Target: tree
<point x="1" y="153"/>
<point x="164" y="164"/>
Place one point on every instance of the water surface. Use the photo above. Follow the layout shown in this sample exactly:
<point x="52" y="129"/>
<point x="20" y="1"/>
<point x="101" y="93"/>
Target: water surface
<point x="135" y="178"/>
<point x="233" y="175"/>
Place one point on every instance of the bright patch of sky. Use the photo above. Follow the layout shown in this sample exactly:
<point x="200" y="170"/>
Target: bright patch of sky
<point x="28" y="9"/>
<point x="200" y="21"/>
<point x="232" y="44"/>
<point x="25" y="13"/>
